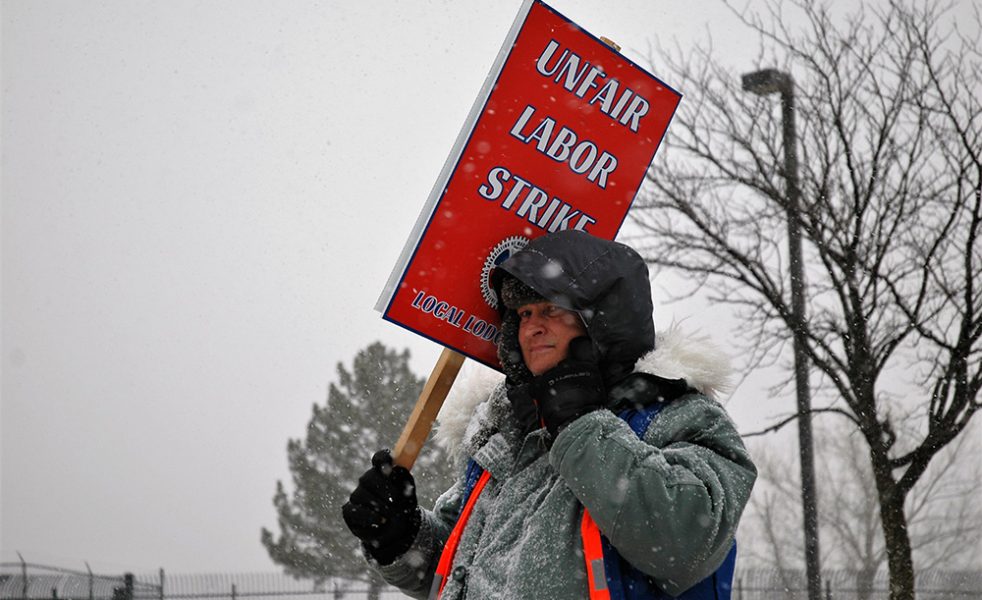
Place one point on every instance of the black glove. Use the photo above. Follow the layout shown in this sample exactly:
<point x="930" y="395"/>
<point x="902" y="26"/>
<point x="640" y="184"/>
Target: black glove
<point x="382" y="511"/>
<point x="572" y="388"/>
<point x="523" y="407"/>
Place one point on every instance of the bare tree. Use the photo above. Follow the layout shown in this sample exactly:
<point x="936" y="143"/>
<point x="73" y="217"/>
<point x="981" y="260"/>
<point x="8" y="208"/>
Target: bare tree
<point x="943" y="511"/>
<point x="890" y="129"/>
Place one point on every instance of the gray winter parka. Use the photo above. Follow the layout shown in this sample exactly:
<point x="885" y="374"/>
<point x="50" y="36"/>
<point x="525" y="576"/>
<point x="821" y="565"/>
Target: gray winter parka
<point x="669" y="503"/>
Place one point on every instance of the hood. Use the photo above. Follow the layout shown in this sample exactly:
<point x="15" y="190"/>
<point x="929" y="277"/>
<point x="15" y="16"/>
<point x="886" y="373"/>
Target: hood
<point x="477" y="406"/>
<point x="604" y="281"/>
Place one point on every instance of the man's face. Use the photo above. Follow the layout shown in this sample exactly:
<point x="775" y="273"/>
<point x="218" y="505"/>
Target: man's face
<point x="544" y="333"/>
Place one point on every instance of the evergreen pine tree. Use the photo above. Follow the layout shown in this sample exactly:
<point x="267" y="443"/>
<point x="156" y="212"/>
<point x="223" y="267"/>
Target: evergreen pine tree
<point x="365" y="411"/>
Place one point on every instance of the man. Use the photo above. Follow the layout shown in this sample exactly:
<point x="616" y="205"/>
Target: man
<point x="601" y="467"/>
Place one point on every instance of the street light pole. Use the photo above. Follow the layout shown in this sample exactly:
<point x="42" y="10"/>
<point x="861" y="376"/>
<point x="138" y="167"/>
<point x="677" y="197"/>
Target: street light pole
<point x="769" y="81"/>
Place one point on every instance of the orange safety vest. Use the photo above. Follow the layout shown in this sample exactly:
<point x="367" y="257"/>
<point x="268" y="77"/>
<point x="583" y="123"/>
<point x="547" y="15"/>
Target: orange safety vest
<point x="450" y="548"/>
<point x="718" y="585"/>
<point x="592" y="548"/>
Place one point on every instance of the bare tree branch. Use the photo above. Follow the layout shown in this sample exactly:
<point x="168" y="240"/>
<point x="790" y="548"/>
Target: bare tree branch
<point x="889" y="125"/>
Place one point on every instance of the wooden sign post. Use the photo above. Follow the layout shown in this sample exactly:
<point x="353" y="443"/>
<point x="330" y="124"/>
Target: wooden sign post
<point x="424" y="413"/>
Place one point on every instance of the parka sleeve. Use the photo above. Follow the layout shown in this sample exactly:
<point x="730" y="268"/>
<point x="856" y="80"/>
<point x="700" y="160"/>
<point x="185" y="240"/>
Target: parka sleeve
<point x="413" y="571"/>
<point x="670" y="503"/>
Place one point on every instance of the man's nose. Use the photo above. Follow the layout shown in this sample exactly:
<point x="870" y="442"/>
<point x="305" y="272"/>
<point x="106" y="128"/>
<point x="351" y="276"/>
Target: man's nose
<point x="534" y="325"/>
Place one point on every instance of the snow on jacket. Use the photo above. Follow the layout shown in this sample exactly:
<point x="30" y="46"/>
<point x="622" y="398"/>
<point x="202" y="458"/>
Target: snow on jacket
<point x="669" y="503"/>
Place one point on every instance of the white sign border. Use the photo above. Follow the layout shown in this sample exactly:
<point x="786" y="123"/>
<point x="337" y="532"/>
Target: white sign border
<point x="441" y="182"/>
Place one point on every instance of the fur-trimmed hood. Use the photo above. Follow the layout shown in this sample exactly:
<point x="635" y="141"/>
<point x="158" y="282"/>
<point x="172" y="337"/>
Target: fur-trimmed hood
<point x="477" y="406"/>
<point x="603" y="281"/>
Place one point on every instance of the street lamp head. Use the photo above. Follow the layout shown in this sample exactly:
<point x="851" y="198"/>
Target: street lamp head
<point x="767" y="81"/>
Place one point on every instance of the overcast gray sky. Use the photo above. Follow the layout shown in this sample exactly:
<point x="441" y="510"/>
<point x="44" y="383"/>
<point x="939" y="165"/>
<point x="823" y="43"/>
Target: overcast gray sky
<point x="201" y="204"/>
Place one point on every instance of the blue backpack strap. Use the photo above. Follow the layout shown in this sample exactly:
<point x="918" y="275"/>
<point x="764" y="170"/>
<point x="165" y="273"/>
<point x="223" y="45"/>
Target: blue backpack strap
<point x="471" y="475"/>
<point x="640" y="419"/>
<point x="628" y="583"/>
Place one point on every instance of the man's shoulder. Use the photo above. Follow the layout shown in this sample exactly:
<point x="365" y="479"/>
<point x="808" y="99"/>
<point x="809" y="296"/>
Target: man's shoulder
<point x="692" y="414"/>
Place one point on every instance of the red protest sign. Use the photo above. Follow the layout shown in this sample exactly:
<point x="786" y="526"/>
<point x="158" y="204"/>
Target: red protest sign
<point x="560" y="138"/>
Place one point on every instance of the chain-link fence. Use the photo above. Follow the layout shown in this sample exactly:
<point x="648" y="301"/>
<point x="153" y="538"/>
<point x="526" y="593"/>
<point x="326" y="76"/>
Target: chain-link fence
<point x="25" y="581"/>
<point x="30" y="581"/>
<point x="773" y="584"/>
